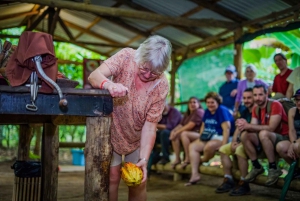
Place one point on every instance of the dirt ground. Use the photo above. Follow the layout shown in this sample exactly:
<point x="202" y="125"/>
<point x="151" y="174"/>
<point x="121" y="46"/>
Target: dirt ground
<point x="160" y="188"/>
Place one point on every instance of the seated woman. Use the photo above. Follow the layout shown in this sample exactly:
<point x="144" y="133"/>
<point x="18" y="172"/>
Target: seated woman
<point x="219" y="122"/>
<point x="290" y="149"/>
<point x="248" y="82"/>
<point x="190" y="124"/>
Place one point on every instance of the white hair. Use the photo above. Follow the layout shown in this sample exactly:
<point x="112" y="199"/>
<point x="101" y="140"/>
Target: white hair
<point x="157" y="51"/>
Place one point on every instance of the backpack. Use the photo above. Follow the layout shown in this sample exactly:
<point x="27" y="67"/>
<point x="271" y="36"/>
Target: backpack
<point x="287" y="105"/>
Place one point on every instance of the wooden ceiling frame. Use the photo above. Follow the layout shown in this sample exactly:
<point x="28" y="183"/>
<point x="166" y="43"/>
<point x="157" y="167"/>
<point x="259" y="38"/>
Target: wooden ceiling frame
<point x="89" y="32"/>
<point x="93" y="23"/>
<point x="160" y="26"/>
<point x="221" y="10"/>
<point x="38" y="20"/>
<point x="215" y="38"/>
<point x="185" y="29"/>
<point x="28" y="19"/>
<point x="117" y="12"/>
<point x="16" y="15"/>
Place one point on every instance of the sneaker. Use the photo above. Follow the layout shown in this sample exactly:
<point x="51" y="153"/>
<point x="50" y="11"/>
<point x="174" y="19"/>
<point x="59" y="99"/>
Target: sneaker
<point x="226" y="186"/>
<point x="163" y="161"/>
<point x="253" y="174"/>
<point x="273" y="176"/>
<point x="243" y="188"/>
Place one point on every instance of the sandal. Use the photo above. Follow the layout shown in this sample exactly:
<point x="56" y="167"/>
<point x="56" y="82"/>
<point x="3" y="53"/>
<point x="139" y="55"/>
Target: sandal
<point x="173" y="165"/>
<point x="184" y="164"/>
<point x="190" y="183"/>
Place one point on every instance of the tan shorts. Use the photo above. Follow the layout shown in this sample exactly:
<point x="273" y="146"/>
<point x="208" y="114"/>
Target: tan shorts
<point x="132" y="157"/>
<point x="226" y="149"/>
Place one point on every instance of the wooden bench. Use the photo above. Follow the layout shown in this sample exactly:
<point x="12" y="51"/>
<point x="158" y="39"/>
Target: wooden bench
<point x="218" y="171"/>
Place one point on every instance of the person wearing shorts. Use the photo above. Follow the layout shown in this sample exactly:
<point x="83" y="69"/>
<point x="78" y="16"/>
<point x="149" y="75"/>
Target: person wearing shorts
<point x="236" y="148"/>
<point x="266" y="129"/>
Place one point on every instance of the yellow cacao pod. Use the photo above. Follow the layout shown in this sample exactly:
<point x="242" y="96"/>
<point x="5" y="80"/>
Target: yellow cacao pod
<point x="131" y="174"/>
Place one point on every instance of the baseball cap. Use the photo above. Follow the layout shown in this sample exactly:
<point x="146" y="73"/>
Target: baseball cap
<point x="230" y="68"/>
<point x="297" y="93"/>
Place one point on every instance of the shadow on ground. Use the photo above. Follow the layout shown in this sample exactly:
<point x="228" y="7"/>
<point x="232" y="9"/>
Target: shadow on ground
<point x="160" y="188"/>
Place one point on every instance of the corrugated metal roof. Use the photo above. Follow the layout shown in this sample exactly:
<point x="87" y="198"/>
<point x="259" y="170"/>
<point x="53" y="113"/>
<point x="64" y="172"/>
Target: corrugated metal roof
<point x="177" y="36"/>
<point x="131" y="31"/>
<point x="254" y="9"/>
<point x="206" y="13"/>
<point x="167" y="7"/>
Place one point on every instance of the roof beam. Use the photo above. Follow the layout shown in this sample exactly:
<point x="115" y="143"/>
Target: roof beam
<point x="5" y="17"/>
<point x="273" y="15"/>
<point x="123" y="24"/>
<point x="38" y="20"/>
<point x="28" y="19"/>
<point x="65" y="28"/>
<point x="95" y="21"/>
<point x="187" y="14"/>
<point x="118" y="12"/>
<point x="82" y="29"/>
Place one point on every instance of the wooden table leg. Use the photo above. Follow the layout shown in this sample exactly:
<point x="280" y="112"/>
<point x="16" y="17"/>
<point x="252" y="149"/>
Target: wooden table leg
<point x="98" y="152"/>
<point x="25" y="135"/>
<point x="50" y="145"/>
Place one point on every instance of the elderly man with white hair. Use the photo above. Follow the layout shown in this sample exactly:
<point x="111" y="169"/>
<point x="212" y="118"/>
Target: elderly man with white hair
<point x="249" y="82"/>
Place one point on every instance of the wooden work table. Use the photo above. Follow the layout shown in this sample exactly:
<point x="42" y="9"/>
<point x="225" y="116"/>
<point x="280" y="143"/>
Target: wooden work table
<point x="92" y="108"/>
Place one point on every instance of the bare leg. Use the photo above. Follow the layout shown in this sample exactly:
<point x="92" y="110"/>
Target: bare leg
<point x="243" y="165"/>
<point x="210" y="149"/>
<point x="137" y="193"/>
<point x="114" y="181"/>
<point x="186" y="138"/>
<point x="176" y="148"/>
<point x="250" y="140"/>
<point x="227" y="164"/>
<point x="267" y="140"/>
<point x="194" y="149"/>
<point x="282" y="149"/>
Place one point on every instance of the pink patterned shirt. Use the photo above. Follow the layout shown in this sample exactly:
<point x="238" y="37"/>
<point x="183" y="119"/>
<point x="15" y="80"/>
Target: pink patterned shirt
<point x="131" y="112"/>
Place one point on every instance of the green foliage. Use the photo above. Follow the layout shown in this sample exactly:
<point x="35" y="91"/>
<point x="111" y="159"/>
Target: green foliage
<point x="251" y="55"/>
<point x="290" y="39"/>
<point x="204" y="73"/>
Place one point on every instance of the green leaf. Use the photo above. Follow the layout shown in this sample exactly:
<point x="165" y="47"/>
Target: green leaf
<point x="289" y="40"/>
<point x="251" y="55"/>
<point x="266" y="52"/>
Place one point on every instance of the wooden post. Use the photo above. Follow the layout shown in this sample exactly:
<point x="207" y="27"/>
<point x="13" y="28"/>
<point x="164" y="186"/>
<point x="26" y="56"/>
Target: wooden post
<point x="238" y="56"/>
<point x="49" y="162"/>
<point x="173" y="77"/>
<point x="25" y="135"/>
<point x="98" y="152"/>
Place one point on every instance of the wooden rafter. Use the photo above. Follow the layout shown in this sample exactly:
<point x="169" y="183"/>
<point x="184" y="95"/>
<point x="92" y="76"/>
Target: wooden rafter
<point x="52" y="23"/>
<point x="190" y="30"/>
<point x="92" y="33"/>
<point x="160" y="26"/>
<point x="96" y="20"/>
<point x="37" y="21"/>
<point x="10" y="16"/>
<point x="221" y="10"/>
<point x="28" y="19"/>
<point x="247" y="23"/>
<point x="123" y="24"/>
<point x="66" y="29"/>
<point x="118" y="12"/>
